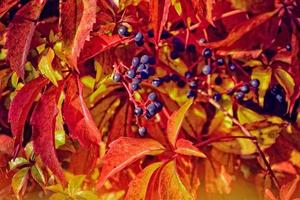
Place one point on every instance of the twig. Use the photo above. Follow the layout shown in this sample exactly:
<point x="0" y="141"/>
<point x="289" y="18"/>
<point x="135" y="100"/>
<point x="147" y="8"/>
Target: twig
<point x="246" y="133"/>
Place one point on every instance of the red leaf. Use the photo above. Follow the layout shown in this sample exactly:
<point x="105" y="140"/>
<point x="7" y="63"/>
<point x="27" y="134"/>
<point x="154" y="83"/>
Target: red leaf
<point x="43" y="125"/>
<point x="19" y="35"/>
<point x="20" y="107"/>
<point x="287" y="190"/>
<point x="77" y="116"/>
<point x="77" y="19"/>
<point x="6" y="145"/>
<point x="159" y="11"/>
<point x="99" y="44"/>
<point x="125" y="151"/>
<point x="186" y="147"/>
<point x="5" y="5"/>
<point x="175" y="121"/>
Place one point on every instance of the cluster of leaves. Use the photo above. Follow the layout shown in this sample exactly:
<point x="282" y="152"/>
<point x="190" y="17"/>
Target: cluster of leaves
<point x="150" y="99"/>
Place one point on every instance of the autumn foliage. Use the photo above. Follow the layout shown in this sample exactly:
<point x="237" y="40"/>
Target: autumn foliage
<point x="150" y="99"/>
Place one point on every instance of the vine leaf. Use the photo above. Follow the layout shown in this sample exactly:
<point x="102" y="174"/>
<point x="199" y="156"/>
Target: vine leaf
<point x="175" y="121"/>
<point x="6" y="5"/>
<point x="77" y="115"/>
<point x="287" y="190"/>
<point x="43" y="125"/>
<point x="159" y="10"/>
<point x="124" y="151"/>
<point x="20" y="33"/>
<point x="77" y="19"/>
<point x="99" y="44"/>
<point x="19" y="180"/>
<point x="186" y="147"/>
<point x="138" y="186"/>
<point x="20" y="106"/>
<point x="170" y="185"/>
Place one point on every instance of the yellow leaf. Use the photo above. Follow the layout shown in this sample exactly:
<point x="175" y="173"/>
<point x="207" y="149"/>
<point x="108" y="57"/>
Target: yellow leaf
<point x="246" y="115"/>
<point x="285" y="80"/>
<point x="19" y="179"/>
<point x="45" y="66"/>
<point x="88" y="81"/>
<point x="264" y="76"/>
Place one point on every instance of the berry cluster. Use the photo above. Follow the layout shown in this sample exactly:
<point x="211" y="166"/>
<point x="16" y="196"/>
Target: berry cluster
<point x="244" y="89"/>
<point x="140" y="70"/>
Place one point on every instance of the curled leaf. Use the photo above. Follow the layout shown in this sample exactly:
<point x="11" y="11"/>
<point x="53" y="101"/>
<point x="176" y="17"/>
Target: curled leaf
<point x="43" y="125"/>
<point x="186" y="147"/>
<point x="20" y="107"/>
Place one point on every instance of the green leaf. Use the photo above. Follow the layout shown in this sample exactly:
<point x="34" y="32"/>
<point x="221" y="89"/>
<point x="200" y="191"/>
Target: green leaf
<point x="75" y="183"/>
<point x="87" y="195"/>
<point x="20" y="179"/>
<point x="45" y="66"/>
<point x="17" y="162"/>
<point x="175" y="121"/>
<point x="38" y="175"/>
<point x="56" y="188"/>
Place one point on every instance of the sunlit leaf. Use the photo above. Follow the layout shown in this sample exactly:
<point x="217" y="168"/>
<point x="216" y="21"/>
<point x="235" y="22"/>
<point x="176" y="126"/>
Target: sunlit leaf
<point x="186" y="147"/>
<point x="19" y="179"/>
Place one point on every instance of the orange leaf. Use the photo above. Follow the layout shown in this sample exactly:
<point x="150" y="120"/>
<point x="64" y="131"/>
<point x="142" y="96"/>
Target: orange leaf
<point x="138" y="186"/>
<point x="159" y="11"/>
<point x="287" y="190"/>
<point x="77" y="19"/>
<point x="20" y="106"/>
<point x="186" y="147"/>
<point x="43" y="125"/>
<point x="19" y="35"/>
<point x="175" y="122"/>
<point x="124" y="151"/>
<point x="170" y="185"/>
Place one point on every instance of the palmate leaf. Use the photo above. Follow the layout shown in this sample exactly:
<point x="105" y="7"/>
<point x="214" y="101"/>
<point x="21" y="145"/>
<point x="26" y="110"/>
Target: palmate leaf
<point x="77" y="19"/>
<point x="21" y="105"/>
<point x="186" y="147"/>
<point x="43" y="125"/>
<point x="124" y="151"/>
<point x="18" y="42"/>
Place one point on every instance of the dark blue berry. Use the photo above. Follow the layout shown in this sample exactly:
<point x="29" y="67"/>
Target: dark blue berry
<point x="152" y="96"/>
<point x="232" y="66"/>
<point x="174" y="77"/>
<point x="135" y="61"/>
<point x="279" y="98"/>
<point x="254" y="83"/>
<point x="137" y="80"/>
<point x="142" y="131"/>
<point x="191" y="94"/>
<point x="145" y="74"/>
<point x="157" y="82"/>
<point x="158" y="105"/>
<point x="149" y="115"/>
<point x="207" y="53"/>
<point x="144" y="59"/>
<point x="206" y="69"/>
<point x="151" y="108"/>
<point x="141" y="67"/>
<point x="217" y="97"/>
<point x="139" y="37"/>
<point x="188" y="74"/>
<point x="165" y="34"/>
<point x="220" y="61"/>
<point x="276" y="89"/>
<point x="174" y="54"/>
<point x="131" y="73"/>
<point x="193" y="84"/>
<point x="218" y="80"/>
<point x="123" y="31"/>
<point x="178" y="45"/>
<point x="150" y="33"/>
<point x="245" y="89"/>
<point x="138" y="111"/>
<point x="167" y="78"/>
<point x="134" y="86"/>
<point x="180" y="83"/>
<point x="152" y="60"/>
<point x="239" y="95"/>
<point x="117" y="77"/>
